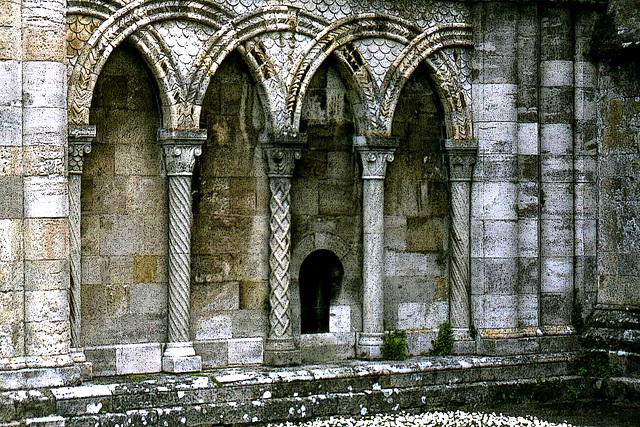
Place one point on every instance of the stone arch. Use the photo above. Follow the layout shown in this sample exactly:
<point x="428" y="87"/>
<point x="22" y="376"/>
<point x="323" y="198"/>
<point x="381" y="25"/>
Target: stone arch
<point x="333" y="38"/>
<point x="125" y="22"/>
<point x="449" y="81"/>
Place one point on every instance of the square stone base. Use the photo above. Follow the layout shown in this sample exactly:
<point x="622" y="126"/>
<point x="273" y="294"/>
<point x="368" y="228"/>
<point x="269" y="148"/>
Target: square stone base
<point x="282" y="357"/>
<point x="369" y="346"/>
<point x="179" y="364"/>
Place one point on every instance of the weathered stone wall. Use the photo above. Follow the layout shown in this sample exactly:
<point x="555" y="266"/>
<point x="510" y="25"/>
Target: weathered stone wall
<point x="124" y="211"/>
<point x="229" y="285"/>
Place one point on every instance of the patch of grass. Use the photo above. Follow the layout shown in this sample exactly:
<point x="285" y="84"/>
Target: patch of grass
<point x="443" y="344"/>
<point x="595" y="364"/>
<point x="394" y="345"/>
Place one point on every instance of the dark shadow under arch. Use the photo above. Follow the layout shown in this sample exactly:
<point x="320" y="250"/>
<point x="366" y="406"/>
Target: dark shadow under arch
<point x="320" y="279"/>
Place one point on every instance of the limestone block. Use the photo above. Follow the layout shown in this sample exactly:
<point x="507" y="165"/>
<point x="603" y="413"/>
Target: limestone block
<point x="10" y="43"/>
<point x="339" y="318"/>
<point x="556" y="73"/>
<point x="216" y="296"/>
<point x="528" y="237"/>
<point x="11" y="197"/>
<point x="11" y="307"/>
<point x="10" y="83"/>
<point x="500" y="311"/>
<point x="558" y="200"/>
<point x="585" y="104"/>
<point x="426" y="234"/>
<point x="212" y="327"/>
<point x="405" y="264"/>
<point x="43" y="44"/>
<point x="46" y="306"/>
<point x="46" y="338"/>
<point x="528" y="276"/>
<point x="395" y="232"/>
<point x="12" y="339"/>
<point x="528" y="201"/>
<point x="11" y="275"/>
<point x="137" y="159"/>
<point x="419" y="342"/>
<point x="213" y="353"/>
<point x="155" y="234"/>
<point x="10" y="14"/>
<point x="100" y="162"/>
<point x="243" y="351"/>
<point x="556" y="104"/>
<point x="557" y="237"/>
<point x="51" y="421"/>
<point x="249" y="323"/>
<point x="497" y="137"/>
<point x="10" y="160"/>
<point x="304" y="197"/>
<point x="121" y="235"/>
<point x="46" y="197"/>
<point x="477" y="238"/>
<point x="500" y="276"/>
<point x="437" y="312"/>
<point x="528" y="310"/>
<point x="104" y="195"/>
<point x="103" y="359"/>
<point x="555" y="168"/>
<point x="499" y="167"/>
<point x="585" y="74"/>
<point x="555" y="309"/>
<point x="495" y="102"/>
<point x="148" y="298"/>
<point x="11" y="240"/>
<point x="500" y="238"/>
<point x="498" y="68"/>
<point x="586" y="197"/>
<point x="253" y="295"/>
<point x="477" y="276"/>
<point x="318" y="348"/>
<point x="100" y="301"/>
<point x="138" y="358"/>
<point x="119" y="270"/>
<point x="46" y="275"/>
<point x="500" y="200"/>
<point x="43" y="84"/>
<point x="557" y="275"/>
<point x="586" y="169"/>
<point x="94" y="269"/>
<point x="340" y="165"/>
<point x="10" y="126"/>
<point x="586" y="137"/>
<point x="44" y="160"/>
<point x="338" y="198"/>
<point x="37" y="121"/>
<point x="527" y="138"/>
<point x="146" y="195"/>
<point x="412" y="315"/>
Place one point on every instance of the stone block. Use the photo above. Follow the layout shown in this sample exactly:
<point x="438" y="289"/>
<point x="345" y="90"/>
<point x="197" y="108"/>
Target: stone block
<point x="477" y="237"/>
<point x="340" y="318"/>
<point x="557" y="275"/>
<point x="11" y="197"/>
<point x="39" y="121"/>
<point x="556" y="168"/>
<point x="412" y="315"/>
<point x="585" y="104"/>
<point x="557" y="237"/>
<point x="426" y="234"/>
<point x="50" y="421"/>
<point x="498" y="68"/>
<point x="94" y="269"/>
<point x="558" y="200"/>
<point x="43" y="44"/>
<point x="405" y="264"/>
<point x="243" y="351"/>
<point x="497" y="137"/>
<point x="213" y="353"/>
<point x="340" y="166"/>
<point x="528" y="138"/>
<point x="100" y="162"/>
<point x="528" y="310"/>
<point x="138" y="358"/>
<point x="216" y="296"/>
<point x="527" y="201"/>
<point x="500" y="238"/>
<point x="11" y="307"/>
<point x="500" y="276"/>
<point x="137" y="159"/>
<point x="555" y="309"/>
<point x="46" y="306"/>
<point x="46" y="197"/>
<point x="556" y="73"/>
<point x="495" y="102"/>
<point x="211" y="327"/>
<point x="44" y="160"/>
<point x="182" y="364"/>
<point x="249" y="323"/>
<point x="10" y="126"/>
<point x="10" y="43"/>
<point x="121" y="235"/>
<point x="395" y="233"/>
<point x="100" y="301"/>
<point x="304" y="197"/>
<point x="104" y="195"/>
<point x="44" y="84"/>
<point x="338" y="198"/>
<point x="146" y="195"/>
<point x="11" y="248"/>
<point x="477" y="276"/>
<point x="10" y="159"/>
<point x="11" y="276"/>
<point x="586" y="169"/>
<point x="10" y="14"/>
<point x="119" y="270"/>
<point x="556" y="138"/>
<point x="102" y="359"/>
<point x="46" y="239"/>
<point x="499" y="200"/>
<point x="11" y="83"/>
<point x="586" y="200"/>
<point x="500" y="311"/>
<point x="318" y="348"/>
<point x="528" y="276"/>
<point x="556" y="104"/>
<point x="586" y="237"/>
<point x="500" y="167"/>
<point x="155" y="234"/>
<point x="148" y="298"/>
<point x="46" y="338"/>
<point x="585" y="74"/>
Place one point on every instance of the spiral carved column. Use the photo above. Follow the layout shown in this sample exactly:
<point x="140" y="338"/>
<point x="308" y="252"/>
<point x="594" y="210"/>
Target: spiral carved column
<point x="462" y="158"/>
<point x="375" y="153"/>
<point x="80" y="139"/>
<point x="280" y="347"/>
<point x="180" y="151"/>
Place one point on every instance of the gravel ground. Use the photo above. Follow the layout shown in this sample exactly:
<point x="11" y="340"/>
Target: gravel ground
<point x="570" y="414"/>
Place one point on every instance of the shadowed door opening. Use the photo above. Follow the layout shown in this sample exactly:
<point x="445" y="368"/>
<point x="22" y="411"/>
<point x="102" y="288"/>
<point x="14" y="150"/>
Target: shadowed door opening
<point x="320" y="279"/>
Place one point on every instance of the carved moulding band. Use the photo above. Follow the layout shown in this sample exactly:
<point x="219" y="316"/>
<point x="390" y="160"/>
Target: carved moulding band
<point x="462" y="155"/>
<point x="181" y="147"/>
<point x="80" y="139"/>
<point x="375" y="152"/>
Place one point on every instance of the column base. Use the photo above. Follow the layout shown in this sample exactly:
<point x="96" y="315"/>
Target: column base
<point x="80" y="360"/>
<point x="281" y="352"/>
<point x="369" y="346"/>
<point x="179" y="357"/>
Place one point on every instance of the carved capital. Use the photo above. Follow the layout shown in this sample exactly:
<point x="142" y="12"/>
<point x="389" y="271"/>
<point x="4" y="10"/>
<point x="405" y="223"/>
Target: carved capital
<point x="281" y="160"/>
<point x="80" y="139"/>
<point x="375" y="152"/>
<point x="462" y="156"/>
<point x="181" y="147"/>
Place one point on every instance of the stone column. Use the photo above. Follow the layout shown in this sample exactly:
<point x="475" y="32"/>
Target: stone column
<point x="375" y="153"/>
<point x="462" y="158"/>
<point x="280" y="349"/>
<point x="80" y="139"/>
<point x="180" y="151"/>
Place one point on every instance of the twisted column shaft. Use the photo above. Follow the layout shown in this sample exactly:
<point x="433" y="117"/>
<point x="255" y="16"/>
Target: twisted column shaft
<point x="180" y="218"/>
<point x="460" y="313"/>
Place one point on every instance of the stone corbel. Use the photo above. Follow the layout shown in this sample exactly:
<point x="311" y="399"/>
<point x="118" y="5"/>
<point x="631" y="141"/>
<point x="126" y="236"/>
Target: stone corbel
<point x="280" y="156"/>
<point x="181" y="147"/>
<point x="80" y="139"/>
<point x="461" y="156"/>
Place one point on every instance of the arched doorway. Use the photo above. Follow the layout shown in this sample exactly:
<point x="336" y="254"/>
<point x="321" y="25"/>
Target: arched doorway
<point x="320" y="278"/>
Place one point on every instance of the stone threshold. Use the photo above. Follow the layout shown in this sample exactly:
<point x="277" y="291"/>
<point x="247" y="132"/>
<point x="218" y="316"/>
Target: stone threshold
<point x="261" y="394"/>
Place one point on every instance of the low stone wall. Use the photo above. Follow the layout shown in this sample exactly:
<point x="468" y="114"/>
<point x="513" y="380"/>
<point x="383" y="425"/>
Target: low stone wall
<point x="260" y="394"/>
